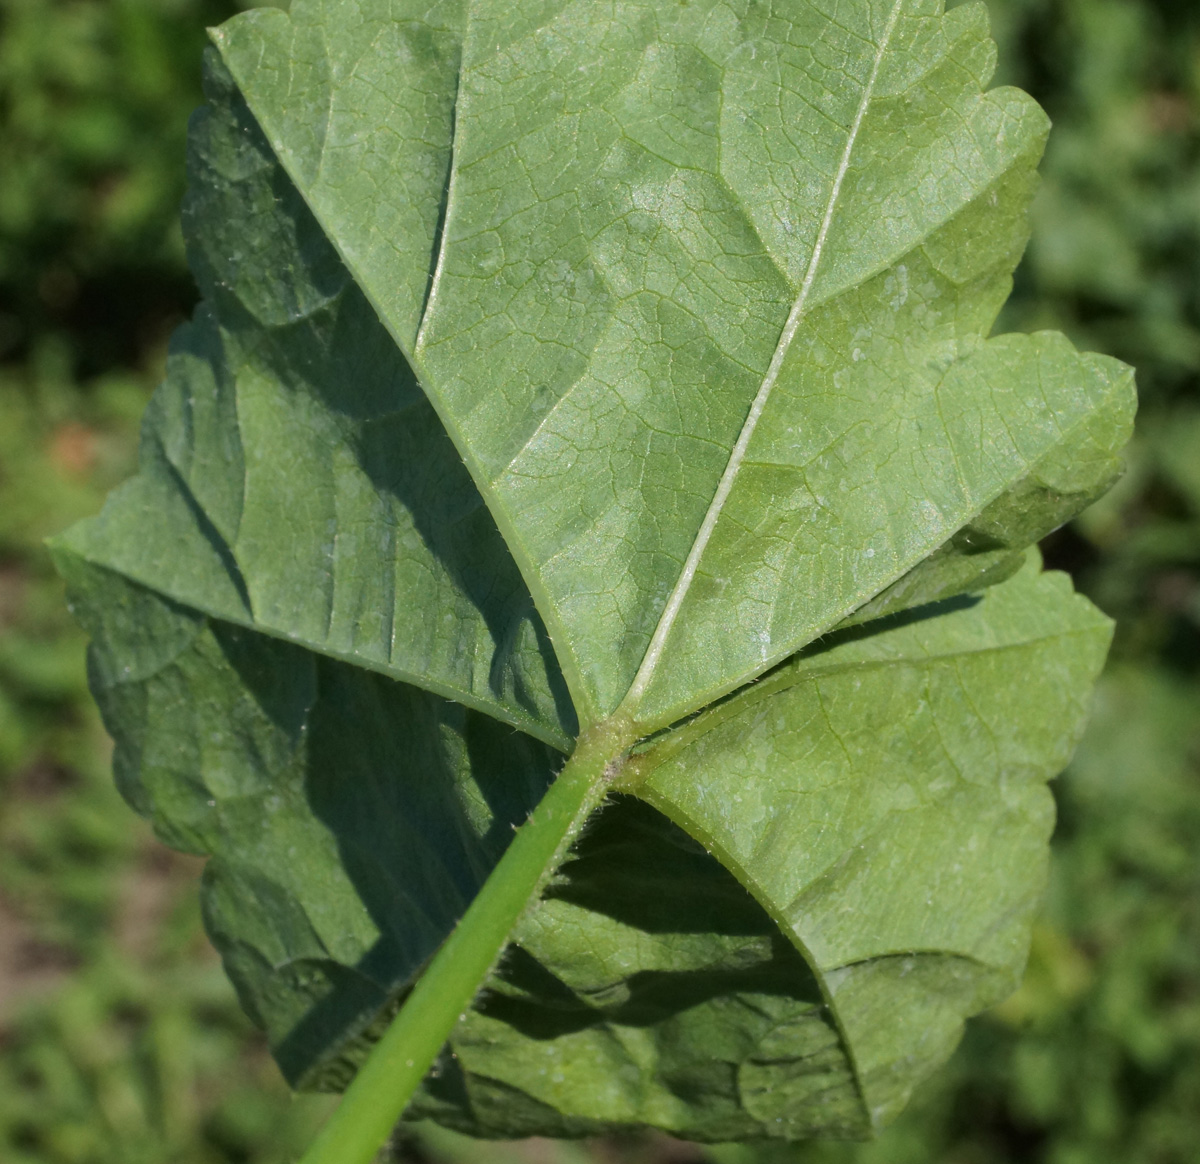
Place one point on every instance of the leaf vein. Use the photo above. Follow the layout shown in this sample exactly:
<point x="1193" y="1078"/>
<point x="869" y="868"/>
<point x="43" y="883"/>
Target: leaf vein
<point x="683" y="585"/>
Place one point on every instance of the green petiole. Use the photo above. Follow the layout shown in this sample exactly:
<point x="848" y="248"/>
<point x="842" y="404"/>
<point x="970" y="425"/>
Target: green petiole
<point x="385" y="1083"/>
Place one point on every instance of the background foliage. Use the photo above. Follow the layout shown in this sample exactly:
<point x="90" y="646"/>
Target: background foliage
<point x="119" y="1038"/>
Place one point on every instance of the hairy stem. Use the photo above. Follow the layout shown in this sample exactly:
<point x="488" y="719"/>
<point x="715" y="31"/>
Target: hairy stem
<point x="376" y="1099"/>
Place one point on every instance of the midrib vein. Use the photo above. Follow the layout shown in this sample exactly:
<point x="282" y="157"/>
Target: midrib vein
<point x="666" y="622"/>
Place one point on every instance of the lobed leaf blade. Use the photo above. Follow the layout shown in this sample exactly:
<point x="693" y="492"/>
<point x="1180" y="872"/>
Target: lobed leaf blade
<point x="657" y="334"/>
<point x="677" y="237"/>
<point x="349" y="818"/>
<point x="884" y="799"/>
<point x="294" y="480"/>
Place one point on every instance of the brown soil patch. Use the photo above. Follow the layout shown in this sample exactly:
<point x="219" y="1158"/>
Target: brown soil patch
<point x="29" y="966"/>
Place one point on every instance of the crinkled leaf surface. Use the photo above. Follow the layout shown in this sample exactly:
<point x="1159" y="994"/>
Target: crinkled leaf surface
<point x="295" y="479"/>
<point x="610" y="358"/>
<point x="350" y="818"/>
<point x="883" y="798"/>
<point x="604" y="233"/>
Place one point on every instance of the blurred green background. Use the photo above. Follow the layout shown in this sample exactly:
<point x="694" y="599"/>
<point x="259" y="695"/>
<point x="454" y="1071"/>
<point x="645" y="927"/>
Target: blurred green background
<point x="120" y="1040"/>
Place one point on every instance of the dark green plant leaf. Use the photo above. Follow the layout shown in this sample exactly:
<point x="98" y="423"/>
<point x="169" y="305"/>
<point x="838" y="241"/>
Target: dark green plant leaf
<point x="350" y="818"/>
<point x="658" y="334"/>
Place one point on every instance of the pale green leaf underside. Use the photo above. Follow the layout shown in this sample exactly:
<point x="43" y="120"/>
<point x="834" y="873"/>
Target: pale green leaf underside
<point x="885" y="802"/>
<point x="655" y="333"/>
<point x="607" y="235"/>
<point x="293" y="477"/>
<point x="882" y="800"/>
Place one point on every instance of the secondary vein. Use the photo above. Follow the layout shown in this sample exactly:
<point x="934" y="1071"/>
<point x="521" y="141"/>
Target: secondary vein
<point x="442" y="230"/>
<point x="683" y="584"/>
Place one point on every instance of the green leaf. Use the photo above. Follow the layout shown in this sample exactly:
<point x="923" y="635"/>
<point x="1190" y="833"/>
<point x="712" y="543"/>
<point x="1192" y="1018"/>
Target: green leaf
<point x="610" y="381"/>
<point x="817" y="212"/>
<point x="883" y="798"/>
<point x="293" y="477"/>
<point x="349" y="818"/>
